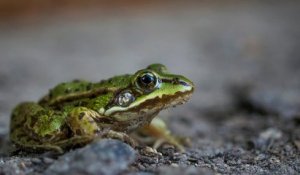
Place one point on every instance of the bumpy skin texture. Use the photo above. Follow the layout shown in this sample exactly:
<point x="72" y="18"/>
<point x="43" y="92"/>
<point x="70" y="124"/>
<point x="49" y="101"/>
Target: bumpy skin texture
<point x="75" y="113"/>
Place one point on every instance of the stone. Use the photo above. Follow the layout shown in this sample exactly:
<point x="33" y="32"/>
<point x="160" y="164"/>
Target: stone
<point x="102" y="157"/>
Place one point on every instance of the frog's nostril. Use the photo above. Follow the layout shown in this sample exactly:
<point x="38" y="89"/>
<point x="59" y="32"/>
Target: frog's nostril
<point x="175" y="81"/>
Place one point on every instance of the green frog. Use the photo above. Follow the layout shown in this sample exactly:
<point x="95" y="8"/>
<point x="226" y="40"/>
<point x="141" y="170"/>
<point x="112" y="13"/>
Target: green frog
<point x="79" y="112"/>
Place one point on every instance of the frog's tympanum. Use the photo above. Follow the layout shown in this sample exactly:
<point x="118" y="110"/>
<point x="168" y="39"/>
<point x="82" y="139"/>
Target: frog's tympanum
<point x="78" y="112"/>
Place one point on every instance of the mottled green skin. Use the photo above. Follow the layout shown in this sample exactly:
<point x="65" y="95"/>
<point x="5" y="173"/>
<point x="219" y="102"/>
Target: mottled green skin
<point x="75" y="113"/>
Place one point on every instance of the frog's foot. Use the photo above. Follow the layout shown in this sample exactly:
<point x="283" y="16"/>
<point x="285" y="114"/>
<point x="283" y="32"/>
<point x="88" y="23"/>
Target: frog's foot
<point x="178" y="142"/>
<point x="159" y="134"/>
<point x="120" y="136"/>
<point x="82" y="122"/>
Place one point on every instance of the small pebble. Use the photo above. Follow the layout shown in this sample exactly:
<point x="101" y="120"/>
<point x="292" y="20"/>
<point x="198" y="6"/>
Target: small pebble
<point x="193" y="160"/>
<point x="22" y="165"/>
<point x="274" y="160"/>
<point x="271" y="133"/>
<point x="48" y="160"/>
<point x="297" y="143"/>
<point x="36" y="160"/>
<point x="174" y="165"/>
<point x="148" y="151"/>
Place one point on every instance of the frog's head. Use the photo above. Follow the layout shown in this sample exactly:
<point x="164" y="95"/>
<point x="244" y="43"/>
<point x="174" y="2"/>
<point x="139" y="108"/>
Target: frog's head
<point x="150" y="90"/>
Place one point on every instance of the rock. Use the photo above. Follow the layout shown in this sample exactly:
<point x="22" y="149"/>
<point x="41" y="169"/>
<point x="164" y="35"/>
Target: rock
<point x="102" y="157"/>
<point x="267" y="138"/>
<point x="284" y="102"/>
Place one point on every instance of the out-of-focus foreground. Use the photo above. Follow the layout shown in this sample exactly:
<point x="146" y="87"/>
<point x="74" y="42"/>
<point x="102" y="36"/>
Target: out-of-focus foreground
<point x="243" y="57"/>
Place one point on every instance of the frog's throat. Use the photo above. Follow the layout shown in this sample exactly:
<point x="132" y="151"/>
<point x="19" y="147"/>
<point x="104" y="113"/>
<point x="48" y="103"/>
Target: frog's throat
<point x="156" y="103"/>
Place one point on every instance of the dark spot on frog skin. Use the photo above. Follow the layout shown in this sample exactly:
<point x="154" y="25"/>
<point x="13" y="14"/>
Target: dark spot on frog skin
<point x="77" y="103"/>
<point x="176" y="80"/>
<point x="104" y="120"/>
<point x="50" y="94"/>
<point x="110" y="81"/>
<point x="89" y="87"/>
<point x="93" y="96"/>
<point x="81" y="115"/>
<point x="19" y="124"/>
<point x="92" y="121"/>
<point x="96" y="131"/>
<point x="78" y="132"/>
<point x="68" y="90"/>
<point x="77" y="89"/>
<point x="48" y="137"/>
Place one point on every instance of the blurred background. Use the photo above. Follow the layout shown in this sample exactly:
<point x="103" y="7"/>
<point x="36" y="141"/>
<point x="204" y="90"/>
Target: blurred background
<point x="223" y="46"/>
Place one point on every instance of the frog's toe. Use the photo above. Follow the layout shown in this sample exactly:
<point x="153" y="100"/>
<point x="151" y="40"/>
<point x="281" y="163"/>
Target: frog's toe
<point x="121" y="136"/>
<point x="176" y="143"/>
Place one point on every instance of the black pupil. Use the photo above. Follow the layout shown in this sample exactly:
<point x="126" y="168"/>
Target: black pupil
<point x="147" y="79"/>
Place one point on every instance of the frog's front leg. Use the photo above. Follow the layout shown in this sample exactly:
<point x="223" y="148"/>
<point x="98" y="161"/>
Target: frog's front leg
<point x="82" y="122"/>
<point x="121" y="136"/>
<point x="159" y="134"/>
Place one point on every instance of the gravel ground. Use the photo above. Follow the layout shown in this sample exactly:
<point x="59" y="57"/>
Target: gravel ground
<point x="244" y="59"/>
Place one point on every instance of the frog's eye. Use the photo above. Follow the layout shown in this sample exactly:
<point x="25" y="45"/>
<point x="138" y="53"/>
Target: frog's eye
<point x="125" y="98"/>
<point x="147" y="81"/>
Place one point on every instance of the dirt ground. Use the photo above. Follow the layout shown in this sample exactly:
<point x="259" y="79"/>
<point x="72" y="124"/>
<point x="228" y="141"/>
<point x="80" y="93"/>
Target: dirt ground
<point x="244" y="58"/>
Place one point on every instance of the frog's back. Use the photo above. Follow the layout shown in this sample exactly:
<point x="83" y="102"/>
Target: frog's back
<point x="64" y="89"/>
<point x="80" y="90"/>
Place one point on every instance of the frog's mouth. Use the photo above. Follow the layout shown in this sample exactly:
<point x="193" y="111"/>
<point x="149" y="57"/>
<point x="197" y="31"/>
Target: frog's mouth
<point x="166" y="101"/>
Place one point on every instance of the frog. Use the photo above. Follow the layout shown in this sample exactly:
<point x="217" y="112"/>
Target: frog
<point x="79" y="112"/>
